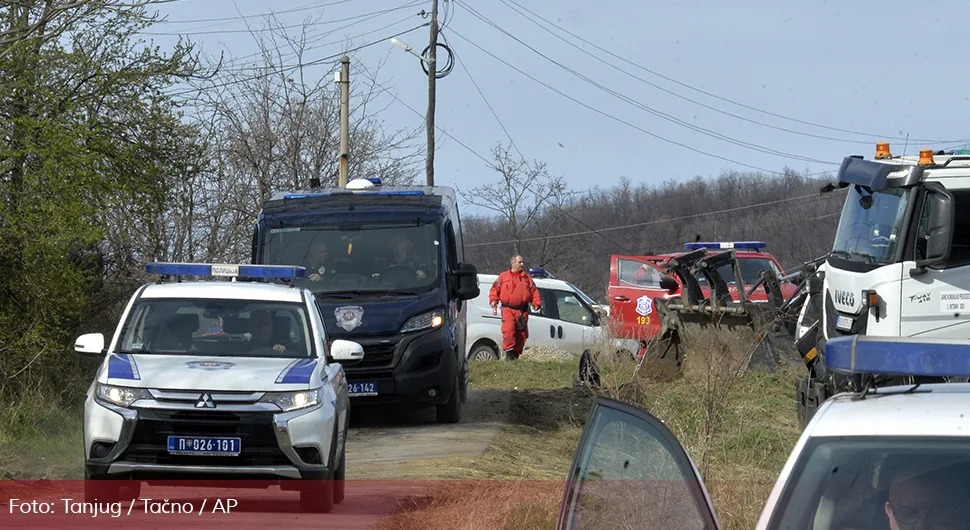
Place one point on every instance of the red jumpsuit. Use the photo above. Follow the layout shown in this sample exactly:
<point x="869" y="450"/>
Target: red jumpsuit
<point x="515" y="290"/>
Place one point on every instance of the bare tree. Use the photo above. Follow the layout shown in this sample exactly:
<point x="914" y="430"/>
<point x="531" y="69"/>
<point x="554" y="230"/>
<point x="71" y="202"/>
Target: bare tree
<point x="523" y="194"/>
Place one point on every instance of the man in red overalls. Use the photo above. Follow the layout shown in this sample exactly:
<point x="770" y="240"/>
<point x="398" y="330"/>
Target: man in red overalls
<point x="515" y="289"/>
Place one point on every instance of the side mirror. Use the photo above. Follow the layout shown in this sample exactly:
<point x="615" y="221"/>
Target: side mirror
<point x="669" y="284"/>
<point x="90" y="344"/>
<point x="346" y="350"/>
<point x="467" y="281"/>
<point x="939" y="232"/>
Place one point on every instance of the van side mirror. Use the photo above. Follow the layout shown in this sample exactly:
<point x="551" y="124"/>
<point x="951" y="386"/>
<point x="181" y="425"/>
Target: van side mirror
<point x="669" y="284"/>
<point x="91" y="344"/>
<point x="466" y="276"/>
<point x="939" y="232"/>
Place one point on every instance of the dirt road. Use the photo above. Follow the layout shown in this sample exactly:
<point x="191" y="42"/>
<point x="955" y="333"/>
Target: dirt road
<point x="389" y="444"/>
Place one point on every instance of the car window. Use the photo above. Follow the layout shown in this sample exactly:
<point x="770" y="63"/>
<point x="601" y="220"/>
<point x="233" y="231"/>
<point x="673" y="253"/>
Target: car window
<point x="571" y="309"/>
<point x="549" y="309"/>
<point x="843" y="483"/>
<point x="633" y="273"/>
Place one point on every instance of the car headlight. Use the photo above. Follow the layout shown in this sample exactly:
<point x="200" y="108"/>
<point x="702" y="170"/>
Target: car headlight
<point x="430" y="320"/>
<point x="122" y="396"/>
<point x="287" y="401"/>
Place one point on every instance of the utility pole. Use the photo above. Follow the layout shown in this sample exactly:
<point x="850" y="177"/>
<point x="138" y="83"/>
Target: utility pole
<point x="432" y="74"/>
<point x="344" y="80"/>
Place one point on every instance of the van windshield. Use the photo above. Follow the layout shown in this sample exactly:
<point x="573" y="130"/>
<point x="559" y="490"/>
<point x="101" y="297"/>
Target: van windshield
<point x="388" y="258"/>
<point x="750" y="270"/>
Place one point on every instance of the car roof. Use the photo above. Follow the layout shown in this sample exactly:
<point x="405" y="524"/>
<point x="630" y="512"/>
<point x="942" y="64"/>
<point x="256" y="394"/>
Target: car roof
<point x="941" y="409"/>
<point x="546" y="283"/>
<point x="267" y="292"/>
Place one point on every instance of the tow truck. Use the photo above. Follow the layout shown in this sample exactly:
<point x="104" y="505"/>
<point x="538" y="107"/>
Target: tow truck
<point x="899" y="264"/>
<point x="658" y="296"/>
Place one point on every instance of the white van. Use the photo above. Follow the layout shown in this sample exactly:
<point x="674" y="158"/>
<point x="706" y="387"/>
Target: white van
<point x="568" y="321"/>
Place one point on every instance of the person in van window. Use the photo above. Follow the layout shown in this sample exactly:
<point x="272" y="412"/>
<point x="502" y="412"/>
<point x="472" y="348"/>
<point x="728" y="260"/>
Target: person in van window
<point x="318" y="265"/>
<point x="515" y="290"/>
<point x="402" y="256"/>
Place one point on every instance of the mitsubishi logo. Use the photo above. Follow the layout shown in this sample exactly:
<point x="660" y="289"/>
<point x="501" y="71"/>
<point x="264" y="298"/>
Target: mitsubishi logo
<point x="205" y="402"/>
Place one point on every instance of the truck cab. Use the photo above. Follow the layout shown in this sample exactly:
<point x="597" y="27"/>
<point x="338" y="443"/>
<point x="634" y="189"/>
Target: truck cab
<point x="900" y="262"/>
<point x="386" y="266"/>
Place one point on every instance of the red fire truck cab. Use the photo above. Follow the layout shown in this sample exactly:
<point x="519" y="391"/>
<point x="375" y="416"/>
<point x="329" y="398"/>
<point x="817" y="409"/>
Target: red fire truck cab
<point x="635" y="281"/>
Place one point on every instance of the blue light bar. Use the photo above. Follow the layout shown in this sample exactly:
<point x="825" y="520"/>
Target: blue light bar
<point x="898" y="356"/>
<point x="219" y="270"/>
<point x="376" y="180"/>
<point x="725" y="244"/>
<point x="539" y="272"/>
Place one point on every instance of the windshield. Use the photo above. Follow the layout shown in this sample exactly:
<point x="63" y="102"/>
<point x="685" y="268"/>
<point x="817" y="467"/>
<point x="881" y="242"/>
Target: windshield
<point x="750" y="270"/>
<point x="391" y="258"/>
<point x="238" y="328"/>
<point x="861" y="483"/>
<point x="583" y="295"/>
<point x="870" y="225"/>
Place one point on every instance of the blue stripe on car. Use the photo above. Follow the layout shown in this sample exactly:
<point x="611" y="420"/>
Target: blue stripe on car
<point x="297" y="372"/>
<point x="122" y="366"/>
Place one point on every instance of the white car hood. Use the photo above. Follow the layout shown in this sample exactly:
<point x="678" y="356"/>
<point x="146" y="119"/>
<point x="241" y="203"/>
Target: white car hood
<point x="192" y="372"/>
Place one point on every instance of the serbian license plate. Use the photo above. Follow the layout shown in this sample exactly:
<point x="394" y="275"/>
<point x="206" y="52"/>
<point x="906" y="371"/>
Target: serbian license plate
<point x="204" y="446"/>
<point x="362" y="389"/>
<point x="843" y="323"/>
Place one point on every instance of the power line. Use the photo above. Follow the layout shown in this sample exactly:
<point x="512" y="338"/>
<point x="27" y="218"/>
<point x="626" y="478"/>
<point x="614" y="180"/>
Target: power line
<point x="284" y="70"/>
<point x="655" y="112"/>
<point x="648" y="223"/>
<point x="641" y="129"/>
<point x="675" y="94"/>
<point x="849" y="131"/>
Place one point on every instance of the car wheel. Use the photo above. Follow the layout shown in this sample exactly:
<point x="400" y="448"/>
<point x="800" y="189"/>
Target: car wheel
<point x="450" y="412"/>
<point x="99" y="489"/>
<point x="484" y="352"/>
<point x="339" y="475"/>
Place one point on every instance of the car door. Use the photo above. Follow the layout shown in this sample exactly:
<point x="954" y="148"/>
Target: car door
<point x="543" y="323"/>
<point x="574" y="327"/>
<point x="634" y="283"/>
<point x="629" y="471"/>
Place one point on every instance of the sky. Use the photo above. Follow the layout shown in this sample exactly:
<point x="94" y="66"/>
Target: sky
<point x="684" y="89"/>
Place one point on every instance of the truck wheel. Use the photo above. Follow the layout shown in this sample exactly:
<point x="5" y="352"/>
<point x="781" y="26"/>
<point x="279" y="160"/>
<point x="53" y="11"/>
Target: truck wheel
<point x="483" y="352"/>
<point x="450" y="412"/>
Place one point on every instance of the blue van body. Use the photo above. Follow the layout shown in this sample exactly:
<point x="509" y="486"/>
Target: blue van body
<point x="412" y="329"/>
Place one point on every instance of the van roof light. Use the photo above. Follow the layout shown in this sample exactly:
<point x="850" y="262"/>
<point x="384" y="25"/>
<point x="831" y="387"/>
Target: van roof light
<point x="898" y="356"/>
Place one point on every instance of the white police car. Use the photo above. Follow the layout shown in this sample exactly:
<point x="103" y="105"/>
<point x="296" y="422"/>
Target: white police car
<point x="218" y="379"/>
<point x="888" y="458"/>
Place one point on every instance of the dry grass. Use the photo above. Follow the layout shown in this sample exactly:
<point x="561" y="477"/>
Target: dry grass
<point x="40" y="440"/>
<point x="737" y="426"/>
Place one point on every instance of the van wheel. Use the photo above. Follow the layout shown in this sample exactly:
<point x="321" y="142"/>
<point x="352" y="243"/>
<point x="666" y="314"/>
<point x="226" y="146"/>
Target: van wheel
<point x="450" y="412"/>
<point x="484" y="352"/>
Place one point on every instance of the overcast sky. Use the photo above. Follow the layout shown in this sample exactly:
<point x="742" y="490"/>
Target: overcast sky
<point x="772" y="84"/>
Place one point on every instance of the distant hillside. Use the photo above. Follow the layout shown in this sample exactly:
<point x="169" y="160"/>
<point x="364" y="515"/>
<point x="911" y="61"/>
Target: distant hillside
<point x="788" y="213"/>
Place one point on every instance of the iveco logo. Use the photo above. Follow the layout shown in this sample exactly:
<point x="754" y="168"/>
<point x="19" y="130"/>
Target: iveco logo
<point x="205" y="402"/>
<point x="845" y="297"/>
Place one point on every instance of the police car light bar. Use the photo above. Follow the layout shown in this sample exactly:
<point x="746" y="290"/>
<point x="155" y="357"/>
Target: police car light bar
<point x="225" y="270"/>
<point x="725" y="244"/>
<point x="898" y="356"/>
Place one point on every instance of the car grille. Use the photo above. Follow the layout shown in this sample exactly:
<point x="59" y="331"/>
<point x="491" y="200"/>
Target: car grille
<point x="149" y="444"/>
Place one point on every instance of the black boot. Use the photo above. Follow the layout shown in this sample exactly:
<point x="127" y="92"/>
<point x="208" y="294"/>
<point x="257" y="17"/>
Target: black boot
<point x="510" y="355"/>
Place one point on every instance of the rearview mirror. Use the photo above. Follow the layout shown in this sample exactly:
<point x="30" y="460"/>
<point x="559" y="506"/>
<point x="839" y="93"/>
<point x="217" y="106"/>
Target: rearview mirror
<point x="466" y="276"/>
<point x="939" y="230"/>
<point x="669" y="284"/>
<point x="346" y="350"/>
<point x="90" y="344"/>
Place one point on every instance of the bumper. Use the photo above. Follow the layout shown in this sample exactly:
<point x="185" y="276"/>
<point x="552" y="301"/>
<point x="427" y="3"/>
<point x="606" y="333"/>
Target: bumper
<point x="416" y="369"/>
<point x="125" y="443"/>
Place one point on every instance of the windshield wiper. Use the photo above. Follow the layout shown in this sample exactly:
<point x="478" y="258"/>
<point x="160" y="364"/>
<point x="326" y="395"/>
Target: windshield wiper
<point x="365" y="292"/>
<point x="848" y="254"/>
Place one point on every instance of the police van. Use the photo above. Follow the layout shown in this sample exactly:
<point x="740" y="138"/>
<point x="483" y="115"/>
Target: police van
<point x="218" y="379"/>
<point x="886" y="457"/>
<point x="569" y="320"/>
<point x="386" y="264"/>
